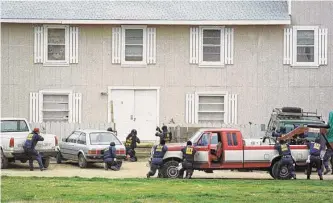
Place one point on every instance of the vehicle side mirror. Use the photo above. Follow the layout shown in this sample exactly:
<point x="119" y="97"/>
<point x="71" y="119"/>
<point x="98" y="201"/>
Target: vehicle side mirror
<point x="64" y="139"/>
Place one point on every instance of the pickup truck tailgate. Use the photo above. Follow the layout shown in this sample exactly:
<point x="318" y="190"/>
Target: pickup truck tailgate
<point x="48" y="144"/>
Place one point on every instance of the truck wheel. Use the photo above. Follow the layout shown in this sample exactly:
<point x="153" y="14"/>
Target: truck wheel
<point x="58" y="157"/>
<point x="46" y="162"/>
<point x="82" y="161"/>
<point x="281" y="171"/>
<point x="4" y="161"/>
<point x="169" y="170"/>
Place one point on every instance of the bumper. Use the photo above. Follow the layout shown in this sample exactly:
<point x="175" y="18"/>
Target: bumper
<point x="22" y="155"/>
<point x="99" y="158"/>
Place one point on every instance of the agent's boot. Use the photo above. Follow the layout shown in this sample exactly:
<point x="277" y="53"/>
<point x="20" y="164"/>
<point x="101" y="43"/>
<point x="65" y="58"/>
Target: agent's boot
<point x="308" y="178"/>
<point x="321" y="177"/>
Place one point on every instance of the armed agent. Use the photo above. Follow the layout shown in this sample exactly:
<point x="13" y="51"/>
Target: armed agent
<point x="188" y="159"/>
<point x="314" y="158"/>
<point x="284" y="151"/>
<point x="164" y="134"/>
<point x="157" y="160"/>
<point x="130" y="145"/>
<point x="31" y="152"/>
<point x="109" y="158"/>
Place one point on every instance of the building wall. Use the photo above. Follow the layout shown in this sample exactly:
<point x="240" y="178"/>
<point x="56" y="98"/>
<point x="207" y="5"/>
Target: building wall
<point x="257" y="76"/>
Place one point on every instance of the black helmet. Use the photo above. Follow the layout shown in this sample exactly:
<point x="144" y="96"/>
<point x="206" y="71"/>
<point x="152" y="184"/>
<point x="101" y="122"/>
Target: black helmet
<point x="110" y="129"/>
<point x="189" y="142"/>
<point x="282" y="141"/>
<point x="112" y="144"/>
<point x="164" y="128"/>
<point x="162" y="142"/>
<point x="134" y="132"/>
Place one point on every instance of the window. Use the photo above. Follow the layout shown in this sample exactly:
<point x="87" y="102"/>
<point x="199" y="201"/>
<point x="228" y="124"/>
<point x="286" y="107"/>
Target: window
<point x="211" y="49"/>
<point x="103" y="138"/>
<point x="14" y="126"/>
<point x="134" y="45"/>
<point x="211" y="109"/>
<point x="305" y="46"/>
<point x="56" y="106"/>
<point x="73" y="137"/>
<point x="56" y="45"/>
<point x="82" y="139"/>
<point x="232" y="139"/>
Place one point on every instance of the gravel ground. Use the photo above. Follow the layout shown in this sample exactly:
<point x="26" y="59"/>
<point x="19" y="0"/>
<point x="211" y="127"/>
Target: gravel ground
<point x="128" y="170"/>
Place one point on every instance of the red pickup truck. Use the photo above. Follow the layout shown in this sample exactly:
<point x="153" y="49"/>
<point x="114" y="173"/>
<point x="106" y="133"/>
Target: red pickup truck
<point x="225" y="149"/>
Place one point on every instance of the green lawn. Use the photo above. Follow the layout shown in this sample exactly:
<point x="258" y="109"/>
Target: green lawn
<point x="35" y="189"/>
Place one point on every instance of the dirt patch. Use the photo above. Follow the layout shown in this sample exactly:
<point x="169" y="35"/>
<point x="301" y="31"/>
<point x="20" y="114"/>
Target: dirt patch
<point x="128" y="170"/>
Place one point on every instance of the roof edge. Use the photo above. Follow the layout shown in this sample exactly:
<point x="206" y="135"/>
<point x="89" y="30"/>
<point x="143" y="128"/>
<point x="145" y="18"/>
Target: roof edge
<point x="153" y="22"/>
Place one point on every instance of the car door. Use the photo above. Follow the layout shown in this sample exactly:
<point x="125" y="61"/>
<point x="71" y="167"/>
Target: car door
<point x="81" y="144"/>
<point x="202" y="148"/>
<point x="69" y="149"/>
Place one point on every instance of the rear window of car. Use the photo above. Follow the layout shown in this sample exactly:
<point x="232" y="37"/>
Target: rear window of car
<point x="103" y="138"/>
<point x="14" y="126"/>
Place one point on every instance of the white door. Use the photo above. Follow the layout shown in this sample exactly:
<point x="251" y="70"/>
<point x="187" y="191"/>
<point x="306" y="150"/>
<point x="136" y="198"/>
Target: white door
<point x="123" y="107"/>
<point x="145" y="106"/>
<point x="135" y="109"/>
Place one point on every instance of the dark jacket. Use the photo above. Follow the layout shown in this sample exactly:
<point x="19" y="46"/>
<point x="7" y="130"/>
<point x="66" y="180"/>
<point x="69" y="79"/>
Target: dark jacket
<point x="110" y="152"/>
<point x="188" y="153"/>
<point x="315" y="148"/>
<point x="166" y="136"/>
<point x="283" y="149"/>
<point x="131" y="141"/>
<point x="31" y="141"/>
<point x="159" y="152"/>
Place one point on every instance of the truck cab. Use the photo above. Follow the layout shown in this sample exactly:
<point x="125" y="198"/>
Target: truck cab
<point x="224" y="148"/>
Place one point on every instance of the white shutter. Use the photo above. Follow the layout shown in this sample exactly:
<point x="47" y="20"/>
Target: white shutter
<point x="38" y="44"/>
<point x="232" y="109"/>
<point x="229" y="45"/>
<point x="151" y="45"/>
<point x="116" y="44"/>
<point x="190" y="109"/>
<point x="288" y="46"/>
<point x="34" y="107"/>
<point x="76" y="108"/>
<point x="73" y="44"/>
<point x="194" y="45"/>
<point x="323" y="46"/>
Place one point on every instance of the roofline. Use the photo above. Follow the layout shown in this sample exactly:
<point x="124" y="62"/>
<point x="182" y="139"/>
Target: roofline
<point x="153" y="22"/>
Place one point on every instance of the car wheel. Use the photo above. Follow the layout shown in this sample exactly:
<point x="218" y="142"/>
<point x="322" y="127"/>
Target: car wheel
<point x="58" y="157"/>
<point x="170" y="170"/>
<point x="82" y="161"/>
<point x="4" y="161"/>
<point x="46" y="162"/>
<point x="281" y="171"/>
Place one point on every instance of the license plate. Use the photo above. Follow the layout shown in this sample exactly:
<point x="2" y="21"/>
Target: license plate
<point x="314" y="130"/>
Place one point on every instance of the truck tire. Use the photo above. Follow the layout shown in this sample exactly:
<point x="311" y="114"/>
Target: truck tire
<point x="46" y="162"/>
<point x="169" y="169"/>
<point x="281" y="171"/>
<point x="58" y="157"/>
<point x="82" y="161"/>
<point x="4" y="161"/>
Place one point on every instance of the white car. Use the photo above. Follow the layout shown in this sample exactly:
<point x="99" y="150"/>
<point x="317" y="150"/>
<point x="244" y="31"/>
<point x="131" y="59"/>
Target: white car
<point x="14" y="132"/>
<point x="87" y="146"/>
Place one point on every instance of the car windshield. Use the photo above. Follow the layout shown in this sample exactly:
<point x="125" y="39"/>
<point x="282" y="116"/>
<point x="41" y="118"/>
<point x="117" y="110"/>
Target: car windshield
<point x="103" y="138"/>
<point x="14" y="126"/>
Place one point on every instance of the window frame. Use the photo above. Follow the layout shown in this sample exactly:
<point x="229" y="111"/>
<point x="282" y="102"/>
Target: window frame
<point x="56" y="62"/>
<point x="222" y="47"/>
<point x="125" y="63"/>
<point x="222" y="93"/>
<point x="69" y="93"/>
<point x="315" y="63"/>
<point x="85" y="140"/>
